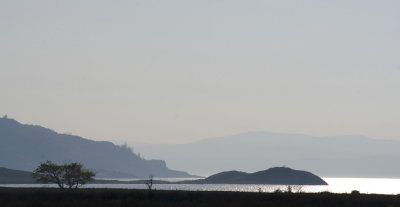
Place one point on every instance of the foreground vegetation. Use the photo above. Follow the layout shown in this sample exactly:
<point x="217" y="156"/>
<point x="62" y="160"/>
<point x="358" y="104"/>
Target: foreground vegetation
<point x="43" y="197"/>
<point x="72" y="175"/>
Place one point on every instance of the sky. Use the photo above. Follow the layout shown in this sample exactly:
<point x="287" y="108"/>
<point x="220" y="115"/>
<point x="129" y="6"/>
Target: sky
<point x="177" y="71"/>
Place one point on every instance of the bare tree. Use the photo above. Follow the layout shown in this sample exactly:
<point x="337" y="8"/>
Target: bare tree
<point x="149" y="182"/>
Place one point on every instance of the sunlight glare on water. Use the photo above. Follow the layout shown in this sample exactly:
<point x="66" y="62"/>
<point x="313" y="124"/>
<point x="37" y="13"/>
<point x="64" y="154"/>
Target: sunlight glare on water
<point x="336" y="185"/>
<point x="364" y="185"/>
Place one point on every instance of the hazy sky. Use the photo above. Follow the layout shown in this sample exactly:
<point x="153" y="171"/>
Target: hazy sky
<point x="172" y="71"/>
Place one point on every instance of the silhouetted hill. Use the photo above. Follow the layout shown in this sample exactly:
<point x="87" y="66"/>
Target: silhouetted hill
<point x="224" y="177"/>
<point x="23" y="147"/>
<point x="343" y="156"/>
<point x="274" y="176"/>
<point x="9" y="176"/>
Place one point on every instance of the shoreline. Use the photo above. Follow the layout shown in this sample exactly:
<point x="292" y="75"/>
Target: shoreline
<point x="134" y="197"/>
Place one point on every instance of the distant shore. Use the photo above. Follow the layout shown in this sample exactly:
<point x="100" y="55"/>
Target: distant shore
<point x="46" y="197"/>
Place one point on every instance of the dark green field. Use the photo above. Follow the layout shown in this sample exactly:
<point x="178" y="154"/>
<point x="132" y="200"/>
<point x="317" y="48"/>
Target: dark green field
<point x="37" y="197"/>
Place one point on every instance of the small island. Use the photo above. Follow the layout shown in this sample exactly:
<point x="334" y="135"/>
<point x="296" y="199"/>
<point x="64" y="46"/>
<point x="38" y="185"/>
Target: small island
<point x="272" y="176"/>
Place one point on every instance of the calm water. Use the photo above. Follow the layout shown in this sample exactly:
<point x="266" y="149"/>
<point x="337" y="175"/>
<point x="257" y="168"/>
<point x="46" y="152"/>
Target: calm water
<point x="336" y="185"/>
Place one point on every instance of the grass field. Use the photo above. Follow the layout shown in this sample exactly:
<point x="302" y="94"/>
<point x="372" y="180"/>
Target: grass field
<point x="44" y="197"/>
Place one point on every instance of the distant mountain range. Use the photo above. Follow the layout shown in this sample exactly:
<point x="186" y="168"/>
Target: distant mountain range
<point x="24" y="147"/>
<point x="339" y="156"/>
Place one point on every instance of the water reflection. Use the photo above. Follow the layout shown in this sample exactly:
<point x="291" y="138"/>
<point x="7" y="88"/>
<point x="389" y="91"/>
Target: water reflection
<point x="336" y="185"/>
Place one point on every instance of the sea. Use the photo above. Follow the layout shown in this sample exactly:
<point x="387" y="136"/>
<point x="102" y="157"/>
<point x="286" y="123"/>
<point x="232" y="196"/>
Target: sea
<point x="336" y="185"/>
